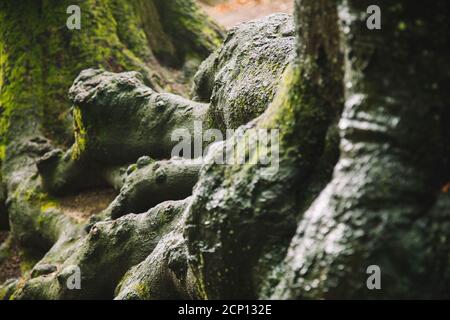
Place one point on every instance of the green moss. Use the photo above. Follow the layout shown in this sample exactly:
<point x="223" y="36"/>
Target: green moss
<point x="142" y="290"/>
<point x="7" y="289"/>
<point x="402" y="26"/>
<point x="32" y="195"/>
<point x="132" y="168"/>
<point x="35" y="196"/>
<point x="20" y="62"/>
<point x="3" y="292"/>
<point x="193" y="32"/>
<point x="128" y="27"/>
<point x="38" y="61"/>
<point x="201" y="287"/>
<point x="2" y="151"/>
<point x="45" y="206"/>
<point x="299" y="106"/>
<point x="283" y="110"/>
<point x="80" y="134"/>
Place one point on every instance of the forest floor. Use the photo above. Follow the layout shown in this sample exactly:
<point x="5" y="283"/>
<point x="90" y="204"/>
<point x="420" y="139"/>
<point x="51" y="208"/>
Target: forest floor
<point x="83" y="205"/>
<point x="10" y="265"/>
<point x="232" y="12"/>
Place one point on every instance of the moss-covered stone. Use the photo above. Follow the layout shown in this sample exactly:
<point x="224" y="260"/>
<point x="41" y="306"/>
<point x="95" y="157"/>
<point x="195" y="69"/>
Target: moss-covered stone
<point x="241" y="78"/>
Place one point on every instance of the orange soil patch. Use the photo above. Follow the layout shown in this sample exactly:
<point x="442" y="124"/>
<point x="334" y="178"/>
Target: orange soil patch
<point x="232" y="12"/>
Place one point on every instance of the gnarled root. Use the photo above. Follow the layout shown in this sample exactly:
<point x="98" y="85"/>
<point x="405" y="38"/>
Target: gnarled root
<point x="164" y="274"/>
<point x="117" y="119"/>
<point x="102" y="256"/>
<point x="153" y="183"/>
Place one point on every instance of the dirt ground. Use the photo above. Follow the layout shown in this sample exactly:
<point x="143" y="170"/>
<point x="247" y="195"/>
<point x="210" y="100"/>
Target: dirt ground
<point x="232" y="12"/>
<point x="83" y="205"/>
<point x="9" y="266"/>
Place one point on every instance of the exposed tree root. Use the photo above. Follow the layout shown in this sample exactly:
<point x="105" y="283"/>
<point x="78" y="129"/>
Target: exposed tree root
<point x="103" y="255"/>
<point x="165" y="273"/>
<point x="151" y="184"/>
<point x="288" y="229"/>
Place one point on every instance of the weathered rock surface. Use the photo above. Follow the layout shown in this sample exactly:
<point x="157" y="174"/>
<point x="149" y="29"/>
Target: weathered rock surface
<point x="241" y="78"/>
